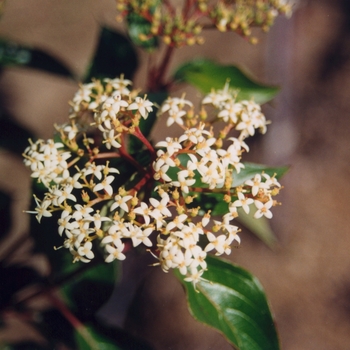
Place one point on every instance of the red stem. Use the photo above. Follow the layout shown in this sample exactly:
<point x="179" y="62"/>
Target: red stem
<point x="143" y="139"/>
<point x="126" y="156"/>
<point x="157" y="74"/>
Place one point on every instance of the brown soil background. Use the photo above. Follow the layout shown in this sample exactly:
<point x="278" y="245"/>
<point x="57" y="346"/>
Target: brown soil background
<point x="307" y="277"/>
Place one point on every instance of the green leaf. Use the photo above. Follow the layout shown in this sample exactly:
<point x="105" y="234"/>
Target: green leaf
<point x="90" y="290"/>
<point x="16" y="55"/>
<point x="251" y="169"/>
<point x="206" y="75"/>
<point x="209" y="201"/>
<point x="215" y="201"/>
<point x="114" y="56"/>
<point x="140" y="32"/>
<point x="90" y="339"/>
<point x="233" y="301"/>
<point x="259" y="227"/>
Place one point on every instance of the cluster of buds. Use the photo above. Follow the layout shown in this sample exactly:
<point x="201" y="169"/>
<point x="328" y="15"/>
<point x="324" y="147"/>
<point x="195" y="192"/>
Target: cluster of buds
<point x="181" y="26"/>
<point x="108" y="198"/>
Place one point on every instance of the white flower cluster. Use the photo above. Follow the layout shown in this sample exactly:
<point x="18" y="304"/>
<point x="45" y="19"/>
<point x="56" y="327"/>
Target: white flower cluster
<point x="101" y="206"/>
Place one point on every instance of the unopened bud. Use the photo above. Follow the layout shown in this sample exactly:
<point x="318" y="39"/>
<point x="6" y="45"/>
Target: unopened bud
<point x="132" y="216"/>
<point x="227" y="198"/>
<point x="189" y="199"/>
<point x="176" y="194"/>
<point x="191" y="41"/>
<point x="167" y="39"/>
<point x="190" y="114"/>
<point x="80" y="152"/>
<point x="275" y="191"/>
<point x="134" y="201"/>
<point x="85" y="197"/>
<point x="194" y="212"/>
<point x="203" y="114"/>
<point x="122" y="191"/>
<point x="215" y="228"/>
<point x="180" y="209"/>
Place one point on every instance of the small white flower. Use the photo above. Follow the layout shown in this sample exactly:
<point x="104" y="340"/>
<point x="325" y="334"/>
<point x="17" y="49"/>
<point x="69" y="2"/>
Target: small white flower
<point x="175" y="117"/>
<point x="217" y="243"/>
<point x="121" y="202"/>
<point x="183" y="181"/>
<point x="256" y="184"/>
<point x="194" y="276"/>
<point x="105" y="185"/>
<point x="85" y="250"/>
<point x="92" y="168"/>
<point x="243" y="202"/>
<point x="143" y="210"/>
<point x="171" y="145"/>
<point x="41" y="209"/>
<point x="176" y="222"/>
<point x="143" y="106"/>
<point x="160" y="206"/>
<point x="119" y="84"/>
<point x="115" y="252"/>
<point x="110" y="139"/>
<point x="81" y="212"/>
<point x="97" y="219"/>
<point x="263" y="209"/>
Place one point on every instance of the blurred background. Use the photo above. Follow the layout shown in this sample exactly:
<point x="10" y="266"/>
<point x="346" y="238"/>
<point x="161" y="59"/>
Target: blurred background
<point x="307" y="275"/>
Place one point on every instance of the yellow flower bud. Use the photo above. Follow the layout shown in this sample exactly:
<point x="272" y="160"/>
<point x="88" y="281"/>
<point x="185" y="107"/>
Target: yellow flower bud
<point x="85" y="197"/>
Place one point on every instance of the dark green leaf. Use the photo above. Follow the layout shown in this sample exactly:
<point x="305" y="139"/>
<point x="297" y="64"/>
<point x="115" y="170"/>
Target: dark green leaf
<point x="251" y="169"/>
<point x="88" y="338"/>
<point x="90" y="290"/>
<point x="118" y="337"/>
<point x="209" y="201"/>
<point x="15" y="55"/>
<point x="140" y="32"/>
<point x="206" y="75"/>
<point x="114" y="56"/>
<point x="232" y="300"/>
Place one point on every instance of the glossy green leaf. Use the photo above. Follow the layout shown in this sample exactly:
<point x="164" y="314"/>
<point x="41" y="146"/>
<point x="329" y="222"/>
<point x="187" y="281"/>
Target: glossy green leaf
<point x="206" y="75"/>
<point x="114" y="56"/>
<point x="259" y="227"/>
<point x="16" y="55"/>
<point x="233" y="301"/>
<point x="140" y="32"/>
<point x="251" y="169"/>
<point x="88" y="338"/>
<point x="90" y="290"/>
